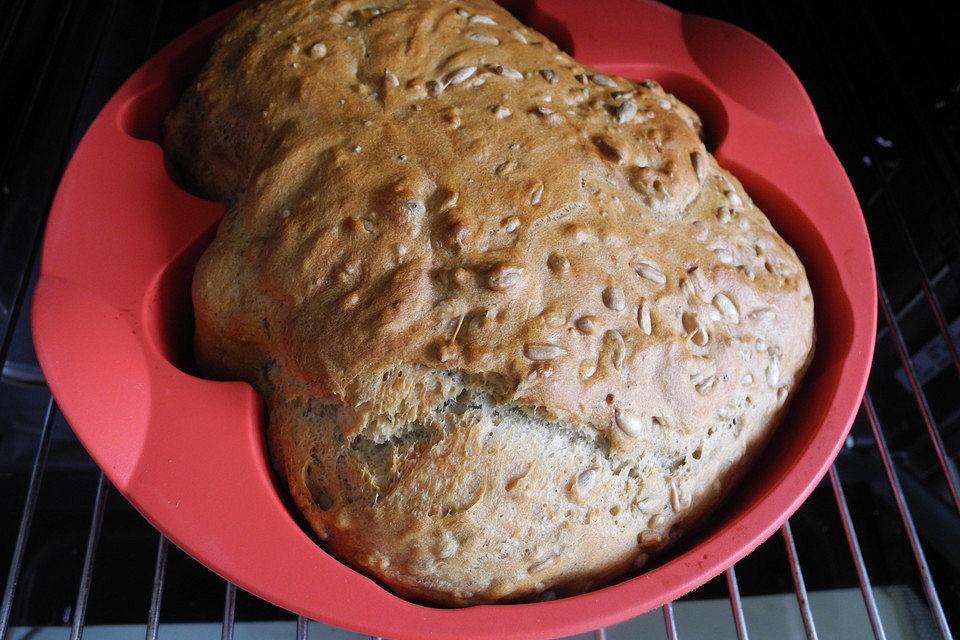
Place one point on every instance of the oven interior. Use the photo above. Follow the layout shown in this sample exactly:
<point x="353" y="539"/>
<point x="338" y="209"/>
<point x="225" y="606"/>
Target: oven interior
<point x="873" y="552"/>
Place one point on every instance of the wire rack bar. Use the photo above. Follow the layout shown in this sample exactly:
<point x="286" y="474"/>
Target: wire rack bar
<point x="949" y="469"/>
<point x="229" y="607"/>
<point x="866" y="588"/>
<point x="156" y="594"/>
<point x="11" y="28"/>
<point x="669" y="621"/>
<point x="736" y="605"/>
<point x="89" y="557"/>
<point x="302" y="627"/>
<point x="800" y="586"/>
<point x="34" y="92"/>
<point x="930" y="590"/>
<point x="928" y="291"/>
<point x="23" y="280"/>
<point x="26" y="518"/>
<point x="600" y="634"/>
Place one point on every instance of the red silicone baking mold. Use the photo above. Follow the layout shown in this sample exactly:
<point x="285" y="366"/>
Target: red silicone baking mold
<point x="112" y="324"/>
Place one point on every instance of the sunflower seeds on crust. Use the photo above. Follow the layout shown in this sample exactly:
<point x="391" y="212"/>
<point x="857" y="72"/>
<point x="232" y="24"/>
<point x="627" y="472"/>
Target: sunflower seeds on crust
<point x="461" y="74"/>
<point x="507" y="72"/>
<point x="543" y="351"/>
<point x="484" y="38"/>
<point x="626" y="111"/>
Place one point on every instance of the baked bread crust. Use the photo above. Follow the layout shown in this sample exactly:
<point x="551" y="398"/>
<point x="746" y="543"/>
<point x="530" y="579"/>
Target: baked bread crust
<point x="515" y="327"/>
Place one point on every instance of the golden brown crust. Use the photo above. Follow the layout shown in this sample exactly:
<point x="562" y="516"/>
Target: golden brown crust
<point x="515" y="326"/>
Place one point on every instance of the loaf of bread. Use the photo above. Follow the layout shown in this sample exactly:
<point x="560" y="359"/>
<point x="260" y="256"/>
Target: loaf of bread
<point x="515" y="328"/>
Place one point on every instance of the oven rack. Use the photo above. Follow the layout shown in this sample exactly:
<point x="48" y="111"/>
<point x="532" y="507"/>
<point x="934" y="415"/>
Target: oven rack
<point x="895" y="124"/>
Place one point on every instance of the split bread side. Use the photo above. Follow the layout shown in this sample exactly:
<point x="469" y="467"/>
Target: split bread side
<point x="515" y="327"/>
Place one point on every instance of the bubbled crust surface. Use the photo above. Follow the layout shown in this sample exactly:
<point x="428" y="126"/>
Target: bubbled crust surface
<point x="515" y="327"/>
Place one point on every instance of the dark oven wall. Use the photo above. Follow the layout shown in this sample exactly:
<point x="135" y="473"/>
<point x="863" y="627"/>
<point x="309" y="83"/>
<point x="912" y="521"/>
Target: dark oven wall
<point x="873" y="551"/>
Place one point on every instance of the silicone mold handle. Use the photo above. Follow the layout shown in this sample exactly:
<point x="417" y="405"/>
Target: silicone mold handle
<point x="105" y="249"/>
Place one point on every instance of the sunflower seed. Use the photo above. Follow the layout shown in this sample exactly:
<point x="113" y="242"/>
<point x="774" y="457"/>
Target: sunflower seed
<point x="675" y="499"/>
<point x="317" y="51"/>
<point x="626" y="111"/>
<point x="657" y="521"/>
<point x="581" y="78"/>
<point x="617" y="349"/>
<point x="695" y="331"/>
<point x="415" y="207"/>
<point x="614" y="299"/>
<point x="462" y="13"/>
<point x="650" y="272"/>
<point x="664" y="103"/>
<point x="781" y="395"/>
<point x="629" y="423"/>
<point x="510" y="224"/>
<point x="549" y="75"/>
<point x="484" y="38"/>
<point x="696" y="159"/>
<point x="772" y="373"/>
<point x="460" y="75"/>
<point x="389" y="79"/>
<point x="553" y="318"/>
<point x="734" y="198"/>
<point x="643" y="317"/>
<point x="478" y="19"/>
<point x="536" y="193"/>
<point x="461" y="277"/>
<point x="519" y="36"/>
<point x="608" y="148"/>
<point x="699" y="280"/>
<point x="705" y="385"/>
<point x="587" y="369"/>
<point x="584" y="324"/>
<point x="586" y="479"/>
<point x="723" y="214"/>
<point x="619" y="95"/>
<point x="448" y="547"/>
<point x="500" y="112"/>
<point x="451" y="200"/>
<point x="724" y="256"/>
<point x="763" y="313"/>
<point x="543" y="351"/>
<point x="557" y="262"/>
<point x="746" y="380"/>
<point x="540" y="566"/>
<point x="700" y="230"/>
<point x="544" y="111"/>
<point x="726" y="307"/>
<point x="503" y="276"/>
<point x="602" y="80"/>
<point x="507" y="72"/>
<point x="650" y="538"/>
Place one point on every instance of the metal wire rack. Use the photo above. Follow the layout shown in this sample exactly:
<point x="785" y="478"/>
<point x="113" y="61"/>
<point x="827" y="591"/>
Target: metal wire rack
<point x="875" y="550"/>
